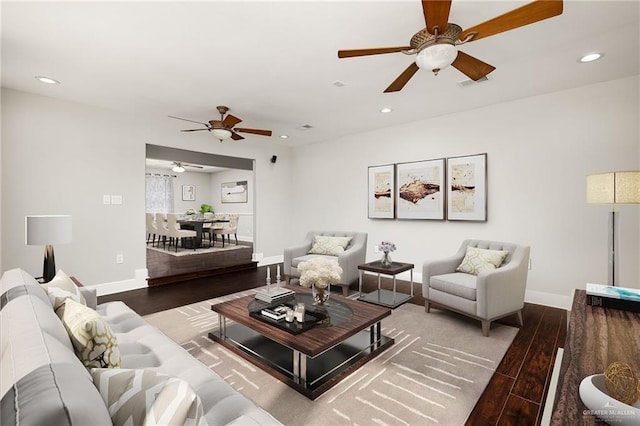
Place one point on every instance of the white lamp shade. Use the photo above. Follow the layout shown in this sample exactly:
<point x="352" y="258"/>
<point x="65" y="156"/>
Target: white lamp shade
<point x="437" y="56"/>
<point x="47" y="229"/>
<point x="614" y="188"/>
<point x="221" y="134"/>
<point x="628" y="187"/>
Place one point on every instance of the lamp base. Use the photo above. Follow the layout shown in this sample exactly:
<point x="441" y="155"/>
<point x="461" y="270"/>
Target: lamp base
<point x="49" y="268"/>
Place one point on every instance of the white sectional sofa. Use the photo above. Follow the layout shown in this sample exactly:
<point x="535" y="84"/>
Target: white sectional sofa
<point x="42" y="381"/>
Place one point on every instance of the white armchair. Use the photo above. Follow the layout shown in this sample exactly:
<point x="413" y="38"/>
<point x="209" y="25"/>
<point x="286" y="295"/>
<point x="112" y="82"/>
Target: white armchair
<point x="488" y="296"/>
<point x="354" y="254"/>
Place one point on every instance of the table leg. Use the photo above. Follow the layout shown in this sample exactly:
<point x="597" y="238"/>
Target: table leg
<point x="411" y="282"/>
<point x="360" y="272"/>
<point x="299" y="368"/>
<point x="394" y="289"/>
<point x="378" y="287"/>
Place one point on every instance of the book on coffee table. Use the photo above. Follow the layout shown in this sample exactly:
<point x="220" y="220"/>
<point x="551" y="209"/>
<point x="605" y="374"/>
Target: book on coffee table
<point x="626" y="299"/>
<point x="273" y="293"/>
<point x="276" y="313"/>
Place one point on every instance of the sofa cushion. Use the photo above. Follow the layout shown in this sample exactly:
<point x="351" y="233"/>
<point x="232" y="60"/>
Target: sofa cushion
<point x="60" y="288"/>
<point x="53" y="394"/>
<point x="477" y="260"/>
<point x="331" y="246"/>
<point x="457" y="283"/>
<point x="94" y="342"/>
<point x="140" y="396"/>
<point x="296" y="261"/>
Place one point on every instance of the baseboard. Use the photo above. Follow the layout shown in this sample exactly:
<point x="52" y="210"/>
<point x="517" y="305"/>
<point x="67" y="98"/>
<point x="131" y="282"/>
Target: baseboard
<point x="551" y="393"/>
<point x="548" y="299"/>
<point x="140" y="281"/>
<point x="271" y="260"/>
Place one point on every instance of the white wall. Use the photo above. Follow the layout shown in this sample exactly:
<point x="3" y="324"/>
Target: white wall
<point x="245" y="210"/>
<point x="60" y="157"/>
<point x="539" y="152"/>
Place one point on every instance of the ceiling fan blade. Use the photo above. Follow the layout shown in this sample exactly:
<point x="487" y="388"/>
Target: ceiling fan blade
<point x="193" y="130"/>
<point x="230" y="121"/>
<point x="403" y="79"/>
<point x="473" y="68"/>
<point x="254" y="131"/>
<point x="235" y="136"/>
<point x="436" y="13"/>
<point x="524" y="15"/>
<point x="375" y="51"/>
<point x="186" y="119"/>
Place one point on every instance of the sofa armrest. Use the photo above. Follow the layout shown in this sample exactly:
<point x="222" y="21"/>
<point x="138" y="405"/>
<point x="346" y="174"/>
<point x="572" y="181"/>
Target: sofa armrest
<point x="430" y="268"/>
<point x="291" y="253"/>
<point x="350" y="259"/>
<point x="501" y="291"/>
<point x="90" y="296"/>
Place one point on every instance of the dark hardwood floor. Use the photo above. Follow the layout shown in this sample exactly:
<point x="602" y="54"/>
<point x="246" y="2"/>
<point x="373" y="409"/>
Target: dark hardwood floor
<point x="516" y="393"/>
<point x="165" y="268"/>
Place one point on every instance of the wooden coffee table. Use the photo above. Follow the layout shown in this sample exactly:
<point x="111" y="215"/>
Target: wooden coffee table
<point x="314" y="360"/>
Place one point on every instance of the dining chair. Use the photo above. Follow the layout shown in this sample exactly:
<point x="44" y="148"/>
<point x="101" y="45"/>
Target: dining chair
<point x="176" y="234"/>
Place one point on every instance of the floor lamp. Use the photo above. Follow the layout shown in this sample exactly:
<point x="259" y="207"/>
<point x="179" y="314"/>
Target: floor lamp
<point x="48" y="230"/>
<point x="613" y="188"/>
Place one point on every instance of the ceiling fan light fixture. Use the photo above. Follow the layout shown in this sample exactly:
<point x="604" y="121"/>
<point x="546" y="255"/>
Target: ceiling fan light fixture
<point x="436" y="57"/>
<point x="221" y="134"/>
<point x="178" y="168"/>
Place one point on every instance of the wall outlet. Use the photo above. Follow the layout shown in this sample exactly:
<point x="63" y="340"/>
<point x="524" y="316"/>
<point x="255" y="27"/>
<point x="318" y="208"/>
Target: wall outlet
<point x="376" y="249"/>
<point x="119" y="258"/>
<point x="116" y="199"/>
<point x="106" y="199"/>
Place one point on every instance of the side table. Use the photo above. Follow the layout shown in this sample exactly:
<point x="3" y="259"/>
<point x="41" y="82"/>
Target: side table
<point x="390" y="299"/>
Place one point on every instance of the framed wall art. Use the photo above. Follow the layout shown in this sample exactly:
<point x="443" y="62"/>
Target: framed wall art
<point x="467" y="188"/>
<point x="188" y="193"/>
<point x="381" y="192"/>
<point x="420" y="190"/>
<point x="234" y="192"/>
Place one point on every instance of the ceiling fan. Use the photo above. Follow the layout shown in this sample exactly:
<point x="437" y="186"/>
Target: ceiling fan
<point x="224" y="128"/>
<point x="435" y="45"/>
<point x="179" y="166"/>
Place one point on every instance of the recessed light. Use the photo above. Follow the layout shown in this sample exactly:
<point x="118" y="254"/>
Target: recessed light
<point x="591" y="57"/>
<point x="385" y="110"/>
<point x="46" y="80"/>
<point x="284" y="136"/>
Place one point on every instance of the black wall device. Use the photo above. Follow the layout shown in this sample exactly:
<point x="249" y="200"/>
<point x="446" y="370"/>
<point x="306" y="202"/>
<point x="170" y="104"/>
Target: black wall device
<point x="274" y="158"/>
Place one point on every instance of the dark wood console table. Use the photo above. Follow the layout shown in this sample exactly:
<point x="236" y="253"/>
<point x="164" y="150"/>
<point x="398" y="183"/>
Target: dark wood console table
<point x="596" y="337"/>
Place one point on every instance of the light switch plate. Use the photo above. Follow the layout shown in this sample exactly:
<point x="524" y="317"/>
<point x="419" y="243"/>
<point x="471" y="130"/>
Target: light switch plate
<point x="106" y="199"/>
<point x="116" y="199"/>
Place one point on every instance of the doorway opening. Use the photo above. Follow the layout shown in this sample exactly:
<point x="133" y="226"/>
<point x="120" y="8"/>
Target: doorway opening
<point x="193" y="185"/>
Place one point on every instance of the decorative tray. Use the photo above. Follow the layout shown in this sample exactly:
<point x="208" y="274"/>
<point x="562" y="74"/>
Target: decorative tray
<point x="312" y="317"/>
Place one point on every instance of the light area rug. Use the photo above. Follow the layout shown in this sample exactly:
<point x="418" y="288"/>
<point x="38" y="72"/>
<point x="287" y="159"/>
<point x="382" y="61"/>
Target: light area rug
<point x="434" y="373"/>
<point x="202" y="250"/>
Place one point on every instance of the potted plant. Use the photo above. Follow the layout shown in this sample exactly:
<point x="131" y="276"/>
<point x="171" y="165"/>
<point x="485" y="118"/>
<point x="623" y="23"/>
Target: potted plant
<point x="206" y="208"/>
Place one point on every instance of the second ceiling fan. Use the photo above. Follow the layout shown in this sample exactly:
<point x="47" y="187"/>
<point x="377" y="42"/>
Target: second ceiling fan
<point x="435" y="45"/>
<point x="224" y="128"/>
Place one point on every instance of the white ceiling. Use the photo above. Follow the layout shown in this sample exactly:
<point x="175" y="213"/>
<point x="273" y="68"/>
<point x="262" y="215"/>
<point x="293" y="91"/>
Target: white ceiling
<point x="274" y="63"/>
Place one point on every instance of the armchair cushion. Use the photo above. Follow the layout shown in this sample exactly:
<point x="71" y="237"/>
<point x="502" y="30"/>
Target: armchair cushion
<point x="477" y="260"/>
<point x="327" y="245"/>
<point x="458" y="284"/>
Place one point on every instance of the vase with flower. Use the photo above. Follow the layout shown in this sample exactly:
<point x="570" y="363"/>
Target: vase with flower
<point x="319" y="273"/>
<point x="386" y="247"/>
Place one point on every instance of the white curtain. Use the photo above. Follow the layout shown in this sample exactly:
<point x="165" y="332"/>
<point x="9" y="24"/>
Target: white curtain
<point x="159" y="189"/>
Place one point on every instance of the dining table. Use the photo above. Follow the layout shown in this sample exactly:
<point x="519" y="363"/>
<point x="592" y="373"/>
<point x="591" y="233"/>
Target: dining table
<point x="197" y="224"/>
